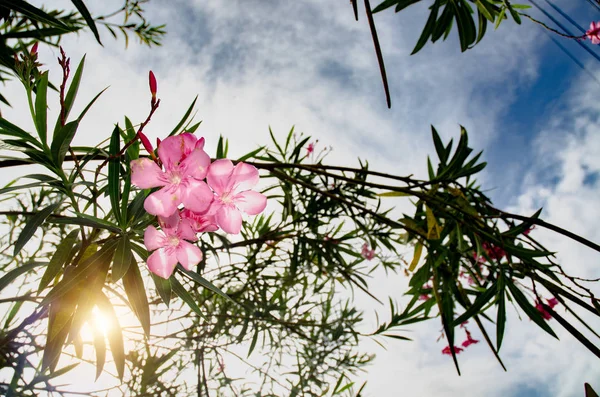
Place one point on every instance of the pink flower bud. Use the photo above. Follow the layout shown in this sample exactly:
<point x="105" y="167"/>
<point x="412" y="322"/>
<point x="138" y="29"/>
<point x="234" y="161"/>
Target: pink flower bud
<point x="34" y="49"/>
<point x="158" y="141"/>
<point x="152" y="80"/>
<point x="146" y="143"/>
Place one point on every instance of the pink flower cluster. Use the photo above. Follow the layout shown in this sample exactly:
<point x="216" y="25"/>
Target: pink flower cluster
<point x="213" y="196"/>
<point x="551" y="302"/>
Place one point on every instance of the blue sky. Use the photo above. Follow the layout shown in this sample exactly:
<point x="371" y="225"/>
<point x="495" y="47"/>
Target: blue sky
<point x="256" y="63"/>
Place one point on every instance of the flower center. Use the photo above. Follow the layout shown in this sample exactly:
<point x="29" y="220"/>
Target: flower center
<point x="173" y="241"/>
<point x="175" y="177"/>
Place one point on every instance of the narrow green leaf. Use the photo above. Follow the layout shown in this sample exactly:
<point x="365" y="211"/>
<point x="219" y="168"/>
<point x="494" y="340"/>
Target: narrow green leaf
<point x="70" y="97"/>
<point x="439" y="146"/>
<point x="122" y="258"/>
<point x="253" y="343"/>
<point x="88" y="18"/>
<point x="62" y="140"/>
<point x="41" y="107"/>
<point x="9" y="129"/>
<point x="501" y="316"/>
<point x="185" y="296"/>
<point x="429" y="26"/>
<point x="203" y="282"/>
<point x="33" y="13"/>
<point x="394" y="194"/>
<point x="114" y="167"/>
<point x="60" y="257"/>
<point x="163" y="287"/>
<point x="32" y="224"/>
<point x="136" y="293"/>
<point x="384" y="5"/>
<point x="13" y="312"/>
<point x="98" y="260"/>
<point x="86" y="220"/>
<point x="479" y="302"/>
<point x="528" y="308"/>
<point x="100" y="348"/>
<point x="115" y="334"/>
<point x="184" y="118"/>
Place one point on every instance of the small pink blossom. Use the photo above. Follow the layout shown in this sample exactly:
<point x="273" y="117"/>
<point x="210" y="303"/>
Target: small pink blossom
<point x="185" y="165"/>
<point x="448" y="351"/>
<point x="34" y="49"/>
<point x="543" y="312"/>
<point x="526" y="232"/>
<point x="479" y="259"/>
<point x="470" y="341"/>
<point x="594" y="32"/>
<point x="367" y="252"/>
<point x="424" y="297"/>
<point x="200" y="222"/>
<point x="232" y="194"/>
<point x="552" y="302"/>
<point x="170" y="246"/>
<point x="310" y="149"/>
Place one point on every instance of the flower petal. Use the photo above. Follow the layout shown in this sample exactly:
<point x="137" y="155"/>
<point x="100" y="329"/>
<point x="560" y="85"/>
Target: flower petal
<point x="145" y="174"/>
<point x="153" y="239"/>
<point x="229" y="219"/>
<point x="188" y="255"/>
<point x="163" y="202"/>
<point x="186" y="230"/>
<point x="196" y="196"/>
<point x="251" y="202"/>
<point x="244" y="177"/>
<point x="219" y="175"/>
<point x="169" y="224"/>
<point x="196" y="164"/>
<point x="172" y="150"/>
<point x="162" y="262"/>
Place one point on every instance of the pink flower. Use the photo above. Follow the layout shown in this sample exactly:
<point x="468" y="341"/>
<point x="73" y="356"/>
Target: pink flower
<point x="552" y="302"/>
<point x="456" y="349"/>
<point x="594" y="32"/>
<point x="526" y="232"/>
<point x="367" y="253"/>
<point x="186" y="164"/>
<point x="478" y="259"/>
<point x="232" y="193"/>
<point x="310" y="149"/>
<point x="170" y="246"/>
<point x="543" y="312"/>
<point x="200" y="222"/>
<point x="423" y="297"/>
<point x="470" y="341"/>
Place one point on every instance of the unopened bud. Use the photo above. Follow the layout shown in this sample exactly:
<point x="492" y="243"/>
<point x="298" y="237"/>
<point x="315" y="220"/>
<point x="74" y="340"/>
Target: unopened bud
<point x="152" y="80"/>
<point x="158" y="141"/>
<point x="146" y="143"/>
<point x="34" y="49"/>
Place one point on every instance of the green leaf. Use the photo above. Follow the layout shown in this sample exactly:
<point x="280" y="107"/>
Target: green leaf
<point x="32" y="224"/>
<point x="41" y="107"/>
<point x="122" y="258"/>
<point x="500" y="18"/>
<point x="429" y="26"/>
<point x="70" y="97"/>
<point x="33" y="13"/>
<point x="384" y="5"/>
<point x="100" y="348"/>
<point x="251" y="154"/>
<point x="87" y="220"/>
<point x="203" y="282"/>
<point x="394" y="194"/>
<point x="254" y="340"/>
<point x="439" y="146"/>
<point x="482" y="26"/>
<point x="88" y="18"/>
<point x="528" y="308"/>
<point x="185" y="296"/>
<point x="13" y="312"/>
<point x="136" y="293"/>
<point x="480" y="301"/>
<point x="163" y="287"/>
<point x="220" y="148"/>
<point x="9" y="129"/>
<point x="60" y="257"/>
<point x="184" y="118"/>
<point x="62" y="140"/>
<point x="97" y="261"/>
<point x="114" y="171"/>
<point x="501" y="316"/>
<point x="115" y="335"/>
